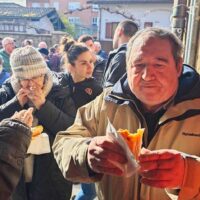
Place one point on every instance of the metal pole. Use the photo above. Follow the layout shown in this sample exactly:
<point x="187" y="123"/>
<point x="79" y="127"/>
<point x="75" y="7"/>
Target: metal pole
<point x="192" y="33"/>
<point x="179" y="17"/>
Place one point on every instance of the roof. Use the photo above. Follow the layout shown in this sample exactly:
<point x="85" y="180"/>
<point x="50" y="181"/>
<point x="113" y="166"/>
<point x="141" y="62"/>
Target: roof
<point x="128" y="1"/>
<point x="9" y="5"/>
<point x="12" y="10"/>
<point x="15" y="11"/>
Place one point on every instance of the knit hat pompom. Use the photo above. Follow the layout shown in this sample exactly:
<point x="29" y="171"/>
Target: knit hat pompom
<point x="26" y="63"/>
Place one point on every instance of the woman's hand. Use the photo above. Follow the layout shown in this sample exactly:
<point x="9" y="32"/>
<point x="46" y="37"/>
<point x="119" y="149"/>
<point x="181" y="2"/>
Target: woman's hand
<point x="37" y="97"/>
<point x="22" y="96"/>
<point x="24" y="116"/>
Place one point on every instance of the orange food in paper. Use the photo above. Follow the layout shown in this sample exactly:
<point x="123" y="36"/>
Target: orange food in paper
<point x="134" y="140"/>
<point x="37" y="130"/>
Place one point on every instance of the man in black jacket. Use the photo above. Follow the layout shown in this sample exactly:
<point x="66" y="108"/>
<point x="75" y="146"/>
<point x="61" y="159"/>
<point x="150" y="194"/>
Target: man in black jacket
<point x="116" y="65"/>
<point x="15" y="136"/>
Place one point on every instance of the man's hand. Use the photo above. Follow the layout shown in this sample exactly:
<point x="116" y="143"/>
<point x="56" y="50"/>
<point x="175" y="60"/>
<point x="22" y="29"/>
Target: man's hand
<point x="22" y="96"/>
<point x="36" y="96"/>
<point x="103" y="154"/>
<point x="24" y="116"/>
<point x="162" y="168"/>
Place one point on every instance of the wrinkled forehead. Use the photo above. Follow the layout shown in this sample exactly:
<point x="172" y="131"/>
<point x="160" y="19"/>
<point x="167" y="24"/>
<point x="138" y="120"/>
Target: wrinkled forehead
<point x="142" y="43"/>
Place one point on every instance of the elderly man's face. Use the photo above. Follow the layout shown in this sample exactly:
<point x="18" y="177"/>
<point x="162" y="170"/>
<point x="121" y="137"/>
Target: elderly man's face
<point x="9" y="47"/>
<point x="152" y="72"/>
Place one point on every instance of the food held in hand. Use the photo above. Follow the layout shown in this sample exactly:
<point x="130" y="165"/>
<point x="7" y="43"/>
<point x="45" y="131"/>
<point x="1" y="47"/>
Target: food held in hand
<point x="37" y="130"/>
<point x="134" y="140"/>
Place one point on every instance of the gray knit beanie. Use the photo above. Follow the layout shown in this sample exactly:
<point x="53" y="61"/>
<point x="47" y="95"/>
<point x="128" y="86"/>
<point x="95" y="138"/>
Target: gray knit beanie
<point x="26" y="63"/>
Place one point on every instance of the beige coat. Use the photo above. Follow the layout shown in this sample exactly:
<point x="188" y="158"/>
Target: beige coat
<point x="70" y="147"/>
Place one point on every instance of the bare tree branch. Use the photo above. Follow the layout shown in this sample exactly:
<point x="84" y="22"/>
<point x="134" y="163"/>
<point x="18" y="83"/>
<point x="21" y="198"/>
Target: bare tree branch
<point x="103" y="8"/>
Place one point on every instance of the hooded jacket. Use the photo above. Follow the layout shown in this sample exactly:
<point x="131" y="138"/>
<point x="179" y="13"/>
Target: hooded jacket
<point x="177" y="128"/>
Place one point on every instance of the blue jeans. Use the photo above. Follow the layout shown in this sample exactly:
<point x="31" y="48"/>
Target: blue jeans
<point x="87" y="192"/>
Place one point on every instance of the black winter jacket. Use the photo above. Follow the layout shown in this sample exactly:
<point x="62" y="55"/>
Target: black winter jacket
<point x="99" y="67"/>
<point x="56" y="114"/>
<point x="115" y="67"/>
<point x="82" y="92"/>
<point x="14" y="141"/>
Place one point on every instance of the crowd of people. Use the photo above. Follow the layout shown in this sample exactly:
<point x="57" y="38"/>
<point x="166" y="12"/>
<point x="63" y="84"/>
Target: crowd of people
<point x="74" y="90"/>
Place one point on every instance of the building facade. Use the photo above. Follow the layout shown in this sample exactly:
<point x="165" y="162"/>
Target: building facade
<point x="19" y="19"/>
<point x="84" y="17"/>
<point x="144" y="13"/>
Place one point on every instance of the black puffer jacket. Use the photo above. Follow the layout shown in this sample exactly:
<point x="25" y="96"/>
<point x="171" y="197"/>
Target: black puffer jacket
<point x="82" y="92"/>
<point x="14" y="141"/>
<point x="115" y="67"/>
<point x="56" y="114"/>
<point x="99" y="67"/>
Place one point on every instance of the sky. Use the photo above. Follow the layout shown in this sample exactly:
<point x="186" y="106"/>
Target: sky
<point x="21" y="2"/>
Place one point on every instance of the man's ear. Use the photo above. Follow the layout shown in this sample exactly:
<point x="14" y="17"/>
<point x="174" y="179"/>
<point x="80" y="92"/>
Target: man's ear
<point x="179" y="66"/>
<point x="120" y="31"/>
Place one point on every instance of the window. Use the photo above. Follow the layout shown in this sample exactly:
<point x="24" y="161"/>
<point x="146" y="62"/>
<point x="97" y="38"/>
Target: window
<point x="74" y="20"/>
<point x="46" y="5"/>
<point x="74" y="5"/>
<point x="95" y="21"/>
<point x="110" y="29"/>
<point x="95" y="7"/>
<point x="56" y="5"/>
<point x="34" y="5"/>
<point x="148" y="24"/>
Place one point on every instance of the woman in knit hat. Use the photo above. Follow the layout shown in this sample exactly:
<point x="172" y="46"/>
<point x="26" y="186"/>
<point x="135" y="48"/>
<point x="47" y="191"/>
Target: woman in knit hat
<point x="33" y="85"/>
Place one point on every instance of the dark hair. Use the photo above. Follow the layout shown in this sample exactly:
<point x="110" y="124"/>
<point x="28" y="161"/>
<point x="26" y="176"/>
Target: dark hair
<point x="85" y="38"/>
<point x="65" y="43"/>
<point x="129" y="27"/>
<point x="74" y="51"/>
<point x="52" y="50"/>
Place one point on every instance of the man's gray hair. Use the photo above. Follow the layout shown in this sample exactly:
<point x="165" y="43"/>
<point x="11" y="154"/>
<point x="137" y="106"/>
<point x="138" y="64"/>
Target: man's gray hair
<point x="6" y="41"/>
<point x="160" y="33"/>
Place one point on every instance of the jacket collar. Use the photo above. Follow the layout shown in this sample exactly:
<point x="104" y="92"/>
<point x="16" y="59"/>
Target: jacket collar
<point x="189" y="84"/>
<point x="121" y="48"/>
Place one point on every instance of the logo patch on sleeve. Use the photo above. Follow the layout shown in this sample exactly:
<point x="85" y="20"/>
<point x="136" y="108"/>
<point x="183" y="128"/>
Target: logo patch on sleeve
<point x="88" y="91"/>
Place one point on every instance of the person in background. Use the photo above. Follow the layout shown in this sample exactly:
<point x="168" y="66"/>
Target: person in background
<point x="99" y="51"/>
<point x="99" y="63"/>
<point x="34" y="85"/>
<point x="8" y="44"/>
<point x="45" y="54"/>
<point x="15" y="137"/>
<point x="83" y="89"/>
<point x="159" y="94"/>
<point x="3" y="74"/>
<point x="116" y="65"/>
<point x="54" y="60"/>
<point x="42" y="44"/>
<point x="1" y="46"/>
<point x="27" y="42"/>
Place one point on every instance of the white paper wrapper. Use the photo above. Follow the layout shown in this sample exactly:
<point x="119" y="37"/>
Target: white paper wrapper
<point x="39" y="145"/>
<point x="131" y="166"/>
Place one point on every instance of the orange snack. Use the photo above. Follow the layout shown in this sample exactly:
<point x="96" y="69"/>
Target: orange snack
<point x="134" y="140"/>
<point x="37" y="130"/>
